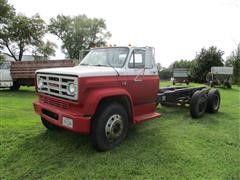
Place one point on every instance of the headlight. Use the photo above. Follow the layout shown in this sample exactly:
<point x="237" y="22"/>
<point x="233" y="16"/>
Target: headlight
<point x="40" y="83"/>
<point x="71" y="89"/>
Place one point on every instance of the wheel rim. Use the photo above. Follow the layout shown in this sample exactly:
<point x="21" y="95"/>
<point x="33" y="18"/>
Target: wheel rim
<point x="215" y="102"/>
<point x="114" y="127"/>
<point x="202" y="104"/>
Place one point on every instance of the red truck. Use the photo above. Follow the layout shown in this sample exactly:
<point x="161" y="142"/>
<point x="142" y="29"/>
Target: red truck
<point x="110" y="89"/>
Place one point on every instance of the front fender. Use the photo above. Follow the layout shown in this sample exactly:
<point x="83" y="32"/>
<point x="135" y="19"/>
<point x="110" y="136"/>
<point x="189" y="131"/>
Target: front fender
<point x="94" y="98"/>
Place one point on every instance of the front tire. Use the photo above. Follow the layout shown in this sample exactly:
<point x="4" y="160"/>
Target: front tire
<point x="109" y="126"/>
<point x="48" y="125"/>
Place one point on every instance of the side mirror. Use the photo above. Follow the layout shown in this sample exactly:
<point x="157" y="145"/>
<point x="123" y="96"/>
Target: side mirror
<point x="149" y="58"/>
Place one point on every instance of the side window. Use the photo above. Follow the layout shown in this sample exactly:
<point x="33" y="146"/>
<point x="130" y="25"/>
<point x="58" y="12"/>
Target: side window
<point x="137" y="59"/>
<point x="5" y="65"/>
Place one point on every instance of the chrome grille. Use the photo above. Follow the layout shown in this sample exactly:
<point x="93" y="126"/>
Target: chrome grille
<point x="57" y="85"/>
<point x="54" y="102"/>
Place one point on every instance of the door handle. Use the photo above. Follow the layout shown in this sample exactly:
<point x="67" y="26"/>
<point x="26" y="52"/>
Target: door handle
<point x="137" y="80"/>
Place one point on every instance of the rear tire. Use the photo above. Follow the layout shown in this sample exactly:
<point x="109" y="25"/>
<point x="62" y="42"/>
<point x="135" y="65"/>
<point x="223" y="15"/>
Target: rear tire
<point x="213" y="101"/>
<point x="15" y="86"/>
<point x="109" y="127"/>
<point x="198" y="104"/>
<point x="228" y="85"/>
<point x="48" y="125"/>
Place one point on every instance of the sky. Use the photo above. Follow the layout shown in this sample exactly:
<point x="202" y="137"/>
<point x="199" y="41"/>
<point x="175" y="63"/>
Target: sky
<point x="178" y="29"/>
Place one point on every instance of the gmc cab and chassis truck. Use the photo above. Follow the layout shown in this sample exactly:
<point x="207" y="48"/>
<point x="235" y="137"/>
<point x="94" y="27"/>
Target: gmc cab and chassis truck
<point x="112" y="88"/>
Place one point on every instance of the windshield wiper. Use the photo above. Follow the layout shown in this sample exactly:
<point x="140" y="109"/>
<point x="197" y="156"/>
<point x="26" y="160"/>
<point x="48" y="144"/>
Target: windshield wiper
<point x="84" y="64"/>
<point x="113" y="67"/>
<point x="100" y="65"/>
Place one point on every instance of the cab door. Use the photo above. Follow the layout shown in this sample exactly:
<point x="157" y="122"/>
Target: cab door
<point x="142" y="77"/>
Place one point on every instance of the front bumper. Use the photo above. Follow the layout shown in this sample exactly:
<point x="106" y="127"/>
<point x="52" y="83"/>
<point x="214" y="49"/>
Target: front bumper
<point x="55" y="116"/>
<point x="6" y="84"/>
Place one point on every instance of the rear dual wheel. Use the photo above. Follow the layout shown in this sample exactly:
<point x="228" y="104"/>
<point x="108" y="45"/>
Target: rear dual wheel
<point x="202" y="102"/>
<point x="214" y="100"/>
<point x="198" y="104"/>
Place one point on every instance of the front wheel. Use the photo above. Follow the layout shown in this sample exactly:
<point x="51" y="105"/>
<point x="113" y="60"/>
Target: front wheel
<point x="48" y="125"/>
<point x="109" y="127"/>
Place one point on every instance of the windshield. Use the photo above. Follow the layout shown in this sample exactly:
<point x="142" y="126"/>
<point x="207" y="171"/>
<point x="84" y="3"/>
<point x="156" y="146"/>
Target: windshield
<point x="114" y="57"/>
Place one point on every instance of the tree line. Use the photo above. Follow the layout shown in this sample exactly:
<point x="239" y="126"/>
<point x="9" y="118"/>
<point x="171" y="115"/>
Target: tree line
<point x="19" y="33"/>
<point x="202" y="63"/>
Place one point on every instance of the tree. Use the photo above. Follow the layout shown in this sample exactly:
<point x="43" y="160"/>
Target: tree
<point x="1" y="58"/>
<point x="203" y="62"/>
<point x="20" y="33"/>
<point x="165" y="73"/>
<point x="6" y="11"/>
<point x="181" y="64"/>
<point x="234" y="60"/>
<point x="78" y="33"/>
<point x="45" y="49"/>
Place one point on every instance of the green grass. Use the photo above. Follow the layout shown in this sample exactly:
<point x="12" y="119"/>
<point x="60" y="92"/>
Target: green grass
<point x="174" y="146"/>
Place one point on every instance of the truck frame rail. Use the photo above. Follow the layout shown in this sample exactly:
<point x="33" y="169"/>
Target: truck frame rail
<point x="198" y="99"/>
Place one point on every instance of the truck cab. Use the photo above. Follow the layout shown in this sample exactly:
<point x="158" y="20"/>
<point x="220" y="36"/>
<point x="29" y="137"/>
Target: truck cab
<point x="5" y="75"/>
<point x="110" y="89"/>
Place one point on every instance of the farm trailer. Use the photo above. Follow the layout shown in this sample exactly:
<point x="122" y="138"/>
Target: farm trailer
<point x="180" y="75"/>
<point x="109" y="90"/>
<point x="220" y="76"/>
<point x="17" y="73"/>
